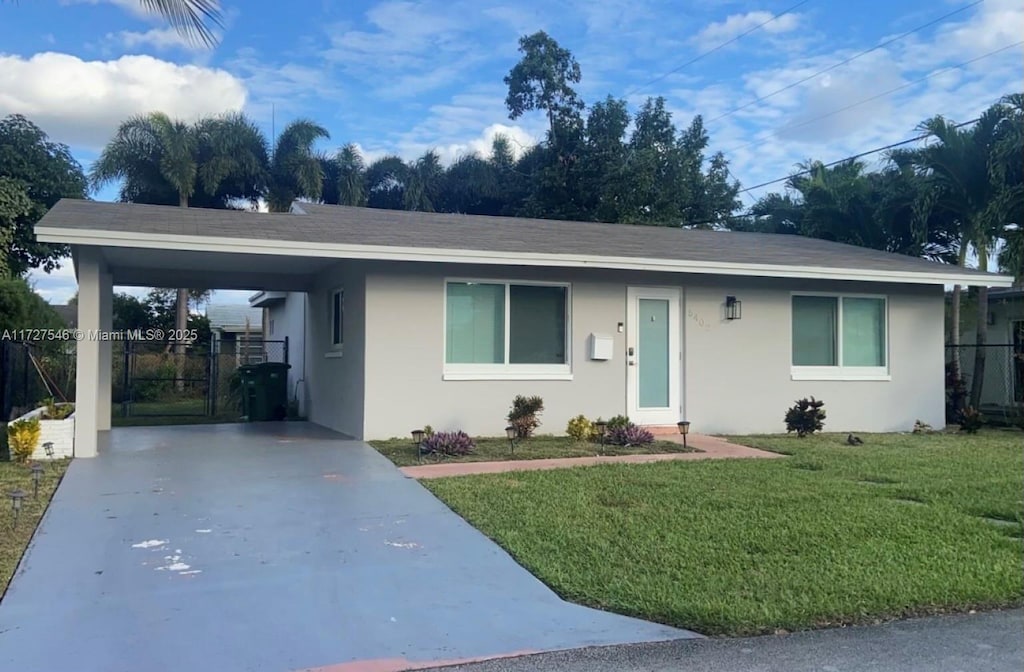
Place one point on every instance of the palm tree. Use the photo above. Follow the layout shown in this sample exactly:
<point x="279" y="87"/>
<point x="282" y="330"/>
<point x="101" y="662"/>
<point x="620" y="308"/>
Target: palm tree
<point x="958" y="167"/>
<point x="351" y="176"/>
<point x="189" y="18"/>
<point x="295" y="170"/>
<point x="164" y="161"/>
<point x="424" y="185"/>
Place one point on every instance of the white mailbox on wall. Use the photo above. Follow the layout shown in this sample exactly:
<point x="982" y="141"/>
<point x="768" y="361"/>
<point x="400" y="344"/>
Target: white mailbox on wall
<point x="601" y="347"/>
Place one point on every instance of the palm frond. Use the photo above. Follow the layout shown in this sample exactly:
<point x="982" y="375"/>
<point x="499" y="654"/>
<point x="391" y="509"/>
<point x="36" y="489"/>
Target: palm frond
<point x="189" y="18"/>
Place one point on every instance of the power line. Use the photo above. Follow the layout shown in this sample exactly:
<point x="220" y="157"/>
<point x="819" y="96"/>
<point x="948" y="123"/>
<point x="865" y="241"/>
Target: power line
<point x="852" y="158"/>
<point x="876" y="97"/>
<point x="714" y="49"/>
<point x="844" y="62"/>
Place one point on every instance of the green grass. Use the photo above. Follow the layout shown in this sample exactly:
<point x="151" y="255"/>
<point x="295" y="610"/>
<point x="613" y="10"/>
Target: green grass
<point x="177" y="412"/>
<point x="832" y="535"/>
<point x="14" y="540"/>
<point x="489" y="449"/>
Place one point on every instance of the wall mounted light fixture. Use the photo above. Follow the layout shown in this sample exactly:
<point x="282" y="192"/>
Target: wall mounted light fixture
<point x="733" y="308"/>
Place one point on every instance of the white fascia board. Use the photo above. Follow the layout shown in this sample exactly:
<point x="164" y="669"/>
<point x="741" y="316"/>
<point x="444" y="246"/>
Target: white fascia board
<point x="226" y="245"/>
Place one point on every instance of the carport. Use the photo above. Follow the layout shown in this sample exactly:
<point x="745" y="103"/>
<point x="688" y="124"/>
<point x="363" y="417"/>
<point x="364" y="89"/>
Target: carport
<point x="110" y="246"/>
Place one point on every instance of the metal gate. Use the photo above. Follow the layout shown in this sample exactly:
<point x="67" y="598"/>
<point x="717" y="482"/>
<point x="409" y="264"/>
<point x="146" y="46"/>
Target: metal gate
<point x="162" y="380"/>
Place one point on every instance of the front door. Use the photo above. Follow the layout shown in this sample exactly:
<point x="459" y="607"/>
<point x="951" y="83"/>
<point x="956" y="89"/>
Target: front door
<point x="653" y="355"/>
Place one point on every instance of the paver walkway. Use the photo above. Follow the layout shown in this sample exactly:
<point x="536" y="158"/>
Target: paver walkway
<point x="712" y="447"/>
<point x="277" y="547"/>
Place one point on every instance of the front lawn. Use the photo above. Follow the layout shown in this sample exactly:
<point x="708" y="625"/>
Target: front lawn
<point x="403" y="453"/>
<point x="14" y="540"/>
<point x="903" y="525"/>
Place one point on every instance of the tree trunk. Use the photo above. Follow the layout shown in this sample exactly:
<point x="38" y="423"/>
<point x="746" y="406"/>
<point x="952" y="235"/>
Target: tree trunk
<point x="180" y="325"/>
<point x="978" y="379"/>
<point x="954" y="341"/>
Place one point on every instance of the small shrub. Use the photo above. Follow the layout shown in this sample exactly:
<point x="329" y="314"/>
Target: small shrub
<point x="579" y="428"/>
<point x="629" y="435"/>
<point x="618" y="422"/>
<point x="971" y="420"/>
<point x="428" y="430"/>
<point x="54" y="411"/>
<point x="523" y="415"/>
<point x="806" y="417"/>
<point x="448" y="443"/>
<point x="23" y="437"/>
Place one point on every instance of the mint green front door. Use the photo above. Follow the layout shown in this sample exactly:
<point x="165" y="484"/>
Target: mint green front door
<point x="653" y="355"/>
<point x="653" y="370"/>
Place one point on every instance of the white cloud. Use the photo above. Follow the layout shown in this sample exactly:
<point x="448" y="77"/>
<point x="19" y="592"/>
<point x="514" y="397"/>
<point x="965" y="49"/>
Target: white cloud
<point x="161" y="39"/>
<point x="738" y="24"/>
<point x="81" y="102"/>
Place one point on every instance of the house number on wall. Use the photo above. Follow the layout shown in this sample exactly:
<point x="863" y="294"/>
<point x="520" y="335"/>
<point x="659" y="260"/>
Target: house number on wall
<point x="701" y="322"/>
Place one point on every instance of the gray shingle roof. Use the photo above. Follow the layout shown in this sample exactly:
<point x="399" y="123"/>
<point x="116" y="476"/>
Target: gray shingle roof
<point x="366" y="226"/>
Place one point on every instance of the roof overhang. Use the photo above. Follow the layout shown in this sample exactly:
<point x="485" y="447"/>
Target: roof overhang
<point x="266" y="298"/>
<point x="230" y="245"/>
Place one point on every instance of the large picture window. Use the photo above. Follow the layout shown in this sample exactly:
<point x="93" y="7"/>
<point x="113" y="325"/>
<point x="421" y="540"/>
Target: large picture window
<point x="506" y="330"/>
<point x="839" y="336"/>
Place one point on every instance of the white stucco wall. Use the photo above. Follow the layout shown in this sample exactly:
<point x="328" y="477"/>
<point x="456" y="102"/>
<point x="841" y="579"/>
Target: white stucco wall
<point x="998" y="385"/>
<point x="289" y="321"/>
<point x="336" y="382"/>
<point x="736" y="375"/>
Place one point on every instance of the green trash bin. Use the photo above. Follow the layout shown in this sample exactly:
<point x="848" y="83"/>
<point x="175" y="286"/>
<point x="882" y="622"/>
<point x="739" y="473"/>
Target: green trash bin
<point x="264" y="391"/>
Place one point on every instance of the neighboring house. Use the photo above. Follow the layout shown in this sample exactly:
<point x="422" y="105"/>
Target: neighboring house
<point x="284" y="320"/>
<point x="237" y="330"/>
<point x="1003" y="387"/>
<point x="425" y="318"/>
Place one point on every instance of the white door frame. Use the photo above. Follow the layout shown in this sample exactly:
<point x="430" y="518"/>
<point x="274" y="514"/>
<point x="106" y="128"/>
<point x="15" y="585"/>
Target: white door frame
<point x="670" y="414"/>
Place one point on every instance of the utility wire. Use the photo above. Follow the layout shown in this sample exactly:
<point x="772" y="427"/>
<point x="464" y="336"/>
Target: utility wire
<point x="875" y="97"/>
<point x="852" y="158"/>
<point x="844" y="62"/>
<point x="714" y="49"/>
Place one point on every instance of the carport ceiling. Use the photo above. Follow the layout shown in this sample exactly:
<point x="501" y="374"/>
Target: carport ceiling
<point x="143" y="267"/>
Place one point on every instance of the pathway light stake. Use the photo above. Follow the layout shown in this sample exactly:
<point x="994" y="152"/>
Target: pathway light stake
<point x="37" y="473"/>
<point x="684" y="429"/>
<point x="510" y="432"/>
<point x="17" y="496"/>
<point x="48" y="447"/>
<point x="417" y="438"/>
<point x="602" y="427"/>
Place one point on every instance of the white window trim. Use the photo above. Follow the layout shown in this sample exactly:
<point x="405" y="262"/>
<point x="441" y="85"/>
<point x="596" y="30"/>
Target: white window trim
<point x="335" y="349"/>
<point x="840" y="372"/>
<point x="507" y="371"/>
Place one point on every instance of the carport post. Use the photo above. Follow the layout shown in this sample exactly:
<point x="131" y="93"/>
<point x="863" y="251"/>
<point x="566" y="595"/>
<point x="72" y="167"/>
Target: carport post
<point x="92" y="389"/>
<point x="106" y="353"/>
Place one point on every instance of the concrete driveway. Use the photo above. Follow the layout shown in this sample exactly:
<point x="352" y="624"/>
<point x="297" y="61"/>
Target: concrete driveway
<point x="271" y="547"/>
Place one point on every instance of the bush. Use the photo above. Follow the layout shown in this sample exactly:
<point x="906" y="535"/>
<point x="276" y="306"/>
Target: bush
<point x="23" y="437"/>
<point x="579" y="428"/>
<point x="629" y="435"/>
<point x="523" y="415"/>
<point x="448" y="443"/>
<point x="971" y="420"/>
<point x="806" y="417"/>
<point x="54" y="411"/>
<point x="618" y="422"/>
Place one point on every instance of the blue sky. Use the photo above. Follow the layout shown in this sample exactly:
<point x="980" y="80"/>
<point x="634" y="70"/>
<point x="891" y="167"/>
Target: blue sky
<point x="409" y="76"/>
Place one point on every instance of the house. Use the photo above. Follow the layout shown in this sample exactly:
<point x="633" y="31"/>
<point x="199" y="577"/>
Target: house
<point x="237" y="330"/>
<point x="1002" y="391"/>
<point x="425" y="318"/>
<point x="284" y="320"/>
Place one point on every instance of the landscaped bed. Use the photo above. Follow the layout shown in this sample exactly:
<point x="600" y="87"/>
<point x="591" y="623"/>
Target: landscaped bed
<point x="403" y="452"/>
<point x="14" y="540"/>
<point x="902" y="525"/>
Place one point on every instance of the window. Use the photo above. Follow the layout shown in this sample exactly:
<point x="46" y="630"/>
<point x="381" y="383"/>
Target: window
<point x="337" y="319"/>
<point x="839" y="337"/>
<point x="506" y="330"/>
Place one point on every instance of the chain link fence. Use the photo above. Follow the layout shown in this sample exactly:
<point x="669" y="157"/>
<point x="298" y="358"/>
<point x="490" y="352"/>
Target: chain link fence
<point x="1000" y="368"/>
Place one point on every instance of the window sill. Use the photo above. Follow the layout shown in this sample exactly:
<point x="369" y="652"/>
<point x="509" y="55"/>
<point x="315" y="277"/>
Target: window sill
<point x="334" y="354"/>
<point x="840" y="374"/>
<point x="506" y="375"/>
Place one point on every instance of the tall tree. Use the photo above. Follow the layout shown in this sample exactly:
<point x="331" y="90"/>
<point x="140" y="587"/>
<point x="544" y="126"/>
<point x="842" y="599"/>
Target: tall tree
<point x="423" y="188"/>
<point x="542" y="80"/>
<point x="35" y="173"/>
<point x="386" y="181"/>
<point x="351" y="181"/>
<point x="295" y="169"/>
<point x="957" y="164"/>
